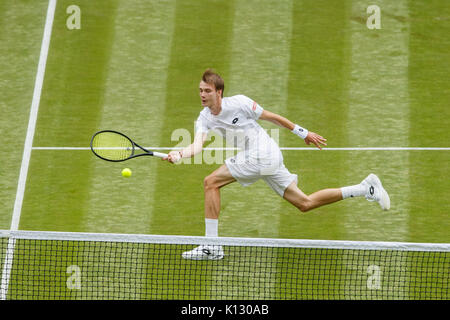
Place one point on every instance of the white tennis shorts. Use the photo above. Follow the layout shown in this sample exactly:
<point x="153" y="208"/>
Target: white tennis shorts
<point x="247" y="170"/>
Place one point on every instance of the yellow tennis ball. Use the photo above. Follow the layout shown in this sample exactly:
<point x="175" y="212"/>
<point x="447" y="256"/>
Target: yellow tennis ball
<point x="126" y="172"/>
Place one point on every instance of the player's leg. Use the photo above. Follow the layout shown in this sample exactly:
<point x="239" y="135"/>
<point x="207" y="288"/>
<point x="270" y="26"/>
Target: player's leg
<point x="308" y="202"/>
<point x="285" y="184"/>
<point x="212" y="184"/>
<point x="370" y="188"/>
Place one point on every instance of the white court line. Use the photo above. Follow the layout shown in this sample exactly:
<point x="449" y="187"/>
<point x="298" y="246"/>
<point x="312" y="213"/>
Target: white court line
<point x="282" y="148"/>
<point x="33" y="114"/>
<point x="7" y="265"/>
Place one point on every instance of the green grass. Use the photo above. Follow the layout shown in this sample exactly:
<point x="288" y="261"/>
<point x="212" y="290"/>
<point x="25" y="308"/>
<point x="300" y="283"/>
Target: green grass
<point x="135" y="67"/>
<point x="22" y="25"/>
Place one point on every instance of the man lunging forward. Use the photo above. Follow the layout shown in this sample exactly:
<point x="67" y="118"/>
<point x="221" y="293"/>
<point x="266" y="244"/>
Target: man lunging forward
<point x="260" y="158"/>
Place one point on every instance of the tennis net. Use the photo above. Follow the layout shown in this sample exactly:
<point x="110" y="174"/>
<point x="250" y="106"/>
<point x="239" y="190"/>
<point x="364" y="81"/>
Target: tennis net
<point x="61" y="265"/>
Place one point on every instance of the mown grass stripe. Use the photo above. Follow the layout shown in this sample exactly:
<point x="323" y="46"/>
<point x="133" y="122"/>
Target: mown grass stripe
<point x="200" y="40"/>
<point x="429" y="92"/>
<point x="259" y="69"/>
<point x="71" y="106"/>
<point x="317" y="100"/>
<point x="379" y="114"/>
<point x="379" y="110"/>
<point x="21" y="26"/>
<point x="133" y="103"/>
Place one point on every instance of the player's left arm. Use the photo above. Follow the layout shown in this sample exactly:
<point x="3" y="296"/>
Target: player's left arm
<point x="308" y="136"/>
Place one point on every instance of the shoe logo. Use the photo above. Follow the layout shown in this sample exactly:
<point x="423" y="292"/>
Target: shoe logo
<point x="371" y="190"/>
<point x="206" y="251"/>
<point x="235" y="120"/>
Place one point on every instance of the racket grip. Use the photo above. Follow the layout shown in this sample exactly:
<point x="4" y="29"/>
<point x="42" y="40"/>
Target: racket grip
<point x="160" y="155"/>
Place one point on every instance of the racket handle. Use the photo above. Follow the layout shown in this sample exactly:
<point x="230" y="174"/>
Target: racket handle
<point x="159" y="155"/>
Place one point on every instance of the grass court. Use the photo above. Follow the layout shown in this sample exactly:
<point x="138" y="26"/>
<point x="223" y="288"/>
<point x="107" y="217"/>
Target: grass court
<point x="134" y="66"/>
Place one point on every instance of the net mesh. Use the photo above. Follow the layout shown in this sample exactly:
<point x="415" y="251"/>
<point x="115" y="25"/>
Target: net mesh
<point x="40" y="266"/>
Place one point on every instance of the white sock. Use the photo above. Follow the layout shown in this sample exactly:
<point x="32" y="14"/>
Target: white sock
<point x="357" y="190"/>
<point x="211" y="227"/>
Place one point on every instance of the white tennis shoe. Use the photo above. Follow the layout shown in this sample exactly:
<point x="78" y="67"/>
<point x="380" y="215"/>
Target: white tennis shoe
<point x="204" y="253"/>
<point x="376" y="192"/>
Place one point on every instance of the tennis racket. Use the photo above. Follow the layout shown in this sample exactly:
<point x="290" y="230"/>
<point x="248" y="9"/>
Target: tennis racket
<point x="114" y="146"/>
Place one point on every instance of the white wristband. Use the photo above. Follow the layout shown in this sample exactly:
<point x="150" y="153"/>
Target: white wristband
<point x="301" y="132"/>
<point x="176" y="156"/>
<point x="180" y="155"/>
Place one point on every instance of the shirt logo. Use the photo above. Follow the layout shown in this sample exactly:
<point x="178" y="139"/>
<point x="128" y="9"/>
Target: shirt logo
<point x="235" y="120"/>
<point x="254" y="106"/>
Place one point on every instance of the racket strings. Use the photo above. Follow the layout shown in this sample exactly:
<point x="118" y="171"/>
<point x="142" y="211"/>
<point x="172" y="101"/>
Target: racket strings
<point x="112" y="146"/>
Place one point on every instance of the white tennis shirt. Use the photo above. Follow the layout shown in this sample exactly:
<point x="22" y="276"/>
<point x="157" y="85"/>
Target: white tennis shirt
<point x="236" y="122"/>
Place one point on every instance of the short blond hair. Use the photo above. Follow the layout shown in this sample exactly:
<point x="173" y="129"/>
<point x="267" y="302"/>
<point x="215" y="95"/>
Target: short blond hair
<point x="210" y="77"/>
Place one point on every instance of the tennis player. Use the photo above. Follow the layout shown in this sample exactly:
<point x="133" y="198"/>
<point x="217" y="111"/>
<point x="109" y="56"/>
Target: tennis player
<point x="235" y="118"/>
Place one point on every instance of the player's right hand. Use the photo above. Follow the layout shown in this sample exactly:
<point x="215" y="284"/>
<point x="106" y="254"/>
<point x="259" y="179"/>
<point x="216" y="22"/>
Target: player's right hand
<point x="173" y="156"/>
